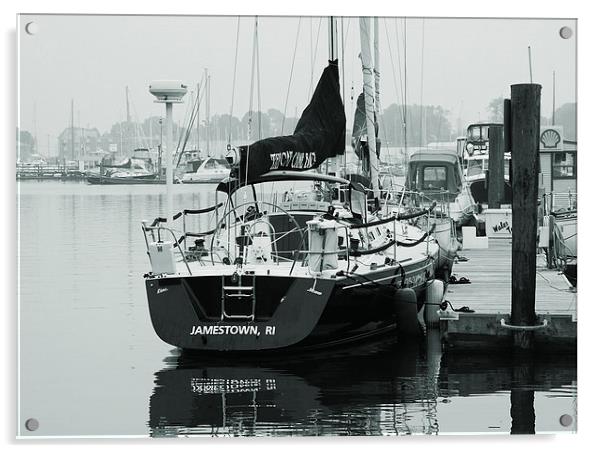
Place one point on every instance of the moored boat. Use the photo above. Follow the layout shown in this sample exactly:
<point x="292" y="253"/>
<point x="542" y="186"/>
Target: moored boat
<point x="476" y="163"/>
<point x="302" y="272"/>
<point x="209" y="170"/>
<point x="293" y="258"/>
<point x="137" y="169"/>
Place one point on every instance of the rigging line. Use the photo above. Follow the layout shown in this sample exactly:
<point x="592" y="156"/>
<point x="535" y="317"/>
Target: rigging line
<point x="422" y="85"/>
<point x="343" y="36"/>
<point x="251" y="102"/>
<point x="397" y="40"/>
<point x="181" y="132"/>
<point x="191" y="121"/>
<point x="193" y="113"/>
<point x="233" y="81"/>
<point x="258" y="80"/>
<point x="402" y="87"/>
<point x="405" y="86"/>
<point x="313" y="61"/>
<point x="290" y="78"/>
<point x="394" y="78"/>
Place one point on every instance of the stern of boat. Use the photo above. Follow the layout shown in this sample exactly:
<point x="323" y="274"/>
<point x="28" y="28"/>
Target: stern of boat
<point x="234" y="312"/>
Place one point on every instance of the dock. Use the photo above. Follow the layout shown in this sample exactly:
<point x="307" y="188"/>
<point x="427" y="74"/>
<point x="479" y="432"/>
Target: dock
<point x="49" y="171"/>
<point x="489" y="295"/>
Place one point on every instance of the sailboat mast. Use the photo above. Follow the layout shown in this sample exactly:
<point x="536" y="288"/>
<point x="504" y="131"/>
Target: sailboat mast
<point x="333" y="54"/>
<point x="35" y="129"/>
<point x="198" y="119"/>
<point x="128" y="118"/>
<point x="207" y="112"/>
<point x="72" y="134"/>
<point x="343" y="87"/>
<point x="376" y="71"/>
<point x="367" y="71"/>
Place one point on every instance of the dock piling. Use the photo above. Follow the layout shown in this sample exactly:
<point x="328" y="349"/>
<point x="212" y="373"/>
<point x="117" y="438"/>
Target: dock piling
<point x="526" y="104"/>
<point x="495" y="187"/>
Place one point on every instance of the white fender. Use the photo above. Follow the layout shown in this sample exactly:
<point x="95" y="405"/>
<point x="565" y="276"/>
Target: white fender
<point x="435" y="290"/>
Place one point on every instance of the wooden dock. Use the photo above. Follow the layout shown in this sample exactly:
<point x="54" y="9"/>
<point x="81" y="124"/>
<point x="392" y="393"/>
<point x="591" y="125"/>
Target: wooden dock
<point x="489" y="295"/>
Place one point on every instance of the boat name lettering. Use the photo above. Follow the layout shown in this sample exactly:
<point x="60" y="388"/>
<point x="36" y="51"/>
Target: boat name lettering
<point x="231" y="330"/>
<point x="503" y="225"/>
<point x="292" y="159"/>
<point x="415" y="280"/>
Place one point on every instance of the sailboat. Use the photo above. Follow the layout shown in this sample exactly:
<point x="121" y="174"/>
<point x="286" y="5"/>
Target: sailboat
<point x="137" y="169"/>
<point x="295" y="258"/>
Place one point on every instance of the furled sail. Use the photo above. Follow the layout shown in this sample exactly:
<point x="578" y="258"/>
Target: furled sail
<point x="359" y="134"/>
<point x="320" y="133"/>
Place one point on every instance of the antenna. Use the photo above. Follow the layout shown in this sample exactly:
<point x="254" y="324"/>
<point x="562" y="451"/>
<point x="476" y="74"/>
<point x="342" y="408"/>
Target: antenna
<point x="553" y="97"/>
<point x="530" y="68"/>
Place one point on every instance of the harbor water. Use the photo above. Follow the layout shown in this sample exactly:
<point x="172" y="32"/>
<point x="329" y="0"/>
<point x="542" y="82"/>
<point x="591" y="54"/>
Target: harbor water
<point x="90" y="363"/>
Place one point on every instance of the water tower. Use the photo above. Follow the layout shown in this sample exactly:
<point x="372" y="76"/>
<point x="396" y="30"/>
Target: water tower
<point x="168" y="92"/>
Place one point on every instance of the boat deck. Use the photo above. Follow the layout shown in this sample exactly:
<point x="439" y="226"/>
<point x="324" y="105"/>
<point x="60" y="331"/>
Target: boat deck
<point x="490" y="290"/>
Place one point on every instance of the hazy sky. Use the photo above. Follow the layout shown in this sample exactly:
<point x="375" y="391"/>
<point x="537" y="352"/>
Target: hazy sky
<point x="465" y="63"/>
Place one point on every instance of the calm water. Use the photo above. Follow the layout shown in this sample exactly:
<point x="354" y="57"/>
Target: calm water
<point x="91" y="364"/>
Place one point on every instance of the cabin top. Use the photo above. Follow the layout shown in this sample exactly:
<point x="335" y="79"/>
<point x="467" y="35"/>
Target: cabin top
<point x="438" y="155"/>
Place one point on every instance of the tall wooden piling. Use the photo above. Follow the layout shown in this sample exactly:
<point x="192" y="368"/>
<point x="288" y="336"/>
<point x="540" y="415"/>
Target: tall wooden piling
<point x="522" y="397"/>
<point x="495" y="187"/>
<point x="526" y="104"/>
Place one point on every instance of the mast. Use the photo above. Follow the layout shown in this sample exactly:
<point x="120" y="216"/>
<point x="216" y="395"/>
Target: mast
<point x="333" y="54"/>
<point x="128" y="117"/>
<point x="72" y="133"/>
<point x="198" y="114"/>
<point x="35" y="129"/>
<point x="367" y="69"/>
<point x="343" y="87"/>
<point x="376" y="71"/>
<point x="207" y="112"/>
<point x="150" y="133"/>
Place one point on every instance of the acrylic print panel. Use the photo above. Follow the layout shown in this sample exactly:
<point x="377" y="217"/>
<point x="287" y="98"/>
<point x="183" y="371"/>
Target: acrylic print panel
<point x="190" y="261"/>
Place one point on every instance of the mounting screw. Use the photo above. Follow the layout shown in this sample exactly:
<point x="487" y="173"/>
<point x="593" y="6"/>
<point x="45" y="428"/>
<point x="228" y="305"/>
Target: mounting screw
<point x="566" y="420"/>
<point x="32" y="424"/>
<point x="31" y="28"/>
<point x="566" y="32"/>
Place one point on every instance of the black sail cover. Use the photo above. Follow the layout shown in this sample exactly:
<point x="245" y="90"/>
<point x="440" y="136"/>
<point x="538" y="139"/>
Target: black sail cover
<point x="320" y="133"/>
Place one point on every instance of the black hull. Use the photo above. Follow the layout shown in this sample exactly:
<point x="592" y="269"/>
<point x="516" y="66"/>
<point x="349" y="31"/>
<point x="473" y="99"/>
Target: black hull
<point x="570" y="272"/>
<point x="478" y="189"/>
<point x="290" y="312"/>
<point x="108" y="180"/>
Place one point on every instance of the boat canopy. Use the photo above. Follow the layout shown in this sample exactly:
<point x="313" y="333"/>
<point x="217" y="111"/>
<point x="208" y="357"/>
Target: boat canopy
<point x="434" y="156"/>
<point x="435" y="171"/>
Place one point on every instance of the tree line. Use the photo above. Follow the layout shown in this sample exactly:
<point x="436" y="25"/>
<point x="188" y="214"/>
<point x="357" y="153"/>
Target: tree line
<point x="397" y="126"/>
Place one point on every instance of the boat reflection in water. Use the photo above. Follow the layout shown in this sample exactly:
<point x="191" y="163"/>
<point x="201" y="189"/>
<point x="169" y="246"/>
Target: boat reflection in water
<point x="375" y="389"/>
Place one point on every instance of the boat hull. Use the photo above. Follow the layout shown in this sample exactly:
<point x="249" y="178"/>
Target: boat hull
<point x="290" y="312"/>
<point x="124" y="180"/>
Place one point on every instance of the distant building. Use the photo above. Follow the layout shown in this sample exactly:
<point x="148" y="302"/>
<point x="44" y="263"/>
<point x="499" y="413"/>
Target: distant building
<point x="25" y="145"/>
<point x="85" y="141"/>
<point x="558" y="163"/>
